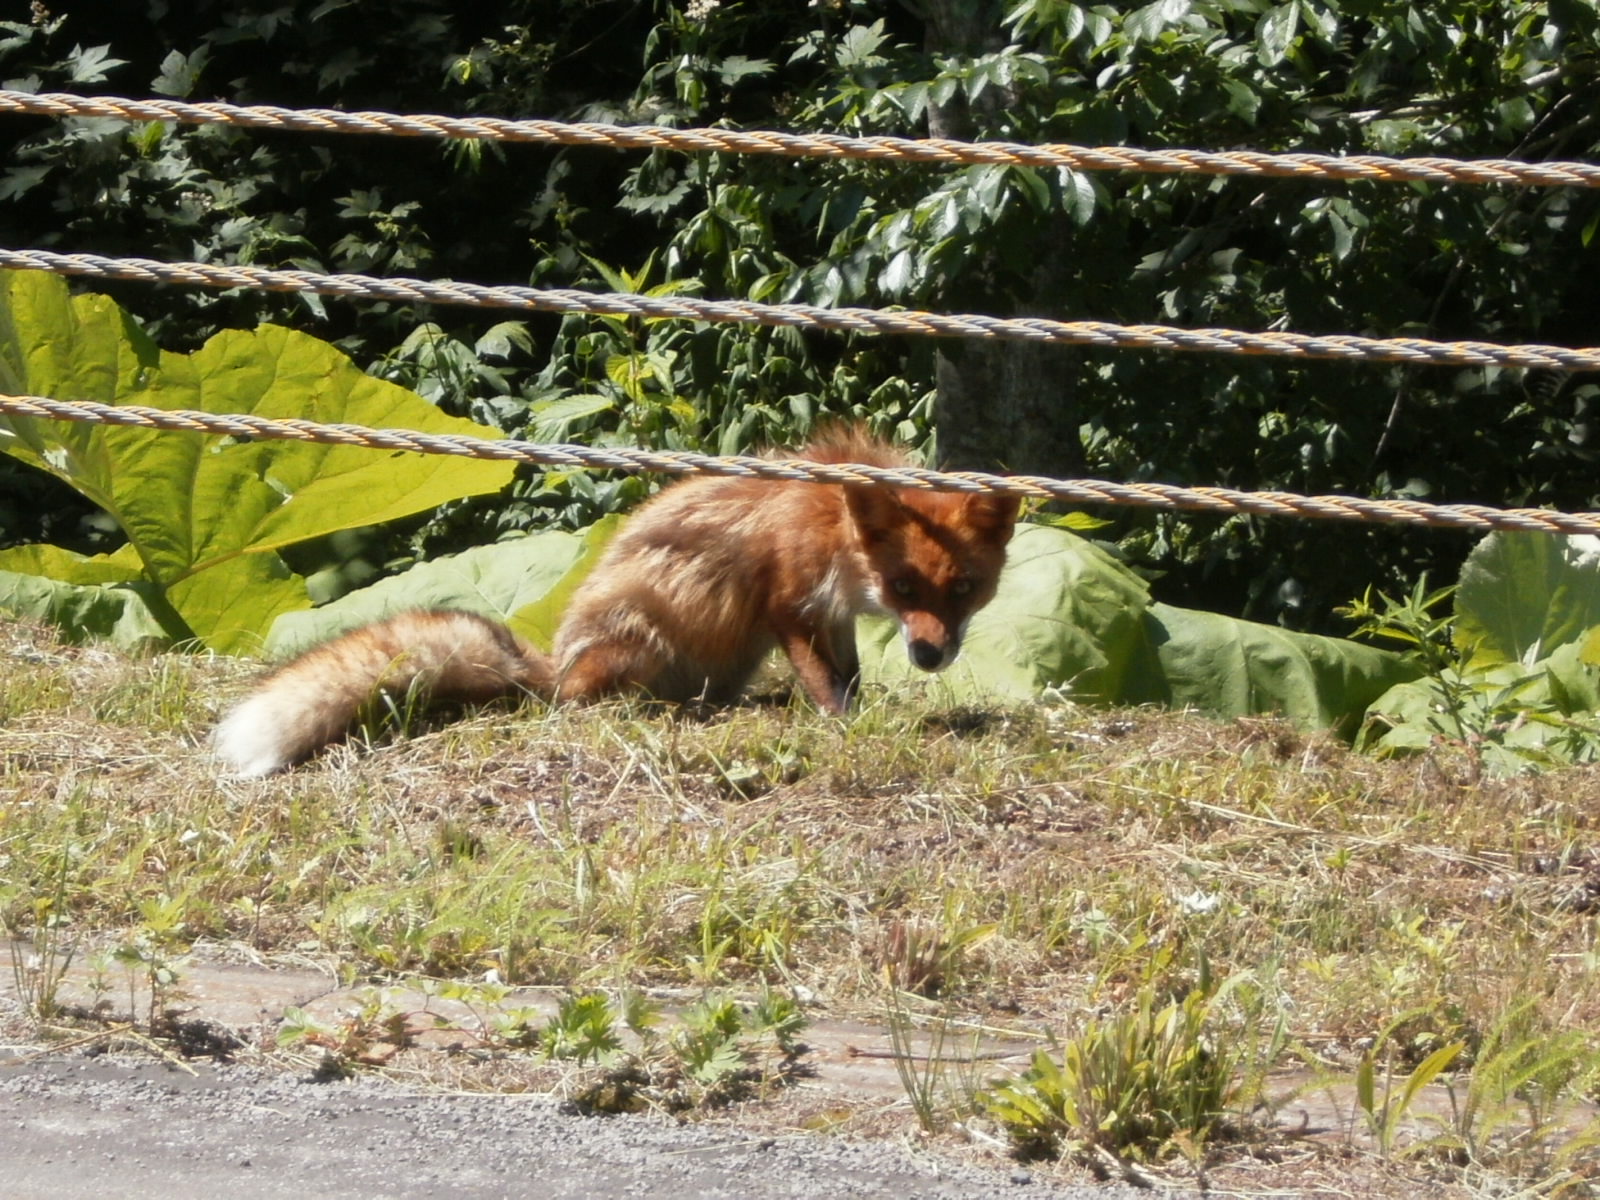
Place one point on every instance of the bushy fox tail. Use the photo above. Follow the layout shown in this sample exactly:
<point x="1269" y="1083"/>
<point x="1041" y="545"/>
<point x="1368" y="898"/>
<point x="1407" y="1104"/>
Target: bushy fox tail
<point x="315" y="699"/>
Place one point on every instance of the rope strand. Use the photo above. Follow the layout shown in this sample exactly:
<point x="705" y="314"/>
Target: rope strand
<point x="1075" y="491"/>
<point x="1418" y="351"/>
<point x="1374" y="168"/>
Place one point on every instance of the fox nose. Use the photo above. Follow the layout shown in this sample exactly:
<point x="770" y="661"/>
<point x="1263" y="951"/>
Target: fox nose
<point x="926" y="655"/>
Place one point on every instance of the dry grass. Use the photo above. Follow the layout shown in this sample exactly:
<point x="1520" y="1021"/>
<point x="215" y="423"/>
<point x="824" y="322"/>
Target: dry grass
<point x="1029" y="867"/>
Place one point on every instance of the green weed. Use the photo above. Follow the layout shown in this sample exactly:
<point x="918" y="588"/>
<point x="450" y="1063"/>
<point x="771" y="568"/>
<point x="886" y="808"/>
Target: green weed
<point x="583" y="1030"/>
<point x="1385" y="1100"/>
<point x="1518" y="1109"/>
<point x="1131" y="1085"/>
<point x="941" y="1082"/>
<point x="42" y="947"/>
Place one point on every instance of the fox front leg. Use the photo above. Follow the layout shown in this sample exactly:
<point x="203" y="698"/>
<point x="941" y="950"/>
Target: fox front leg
<point x="825" y="660"/>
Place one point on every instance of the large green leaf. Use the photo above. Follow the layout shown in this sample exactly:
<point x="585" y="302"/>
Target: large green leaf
<point x="311" y="489"/>
<point x="1223" y="665"/>
<point x="192" y="505"/>
<point x="123" y="566"/>
<point x="1523" y="595"/>
<point x="237" y="600"/>
<point x="498" y="581"/>
<point x="1528" y="687"/>
<point x="72" y="348"/>
<point x="537" y="620"/>
<point x="102" y="597"/>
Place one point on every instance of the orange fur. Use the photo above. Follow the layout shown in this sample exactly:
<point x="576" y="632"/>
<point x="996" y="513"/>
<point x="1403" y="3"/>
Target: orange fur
<point x="694" y="592"/>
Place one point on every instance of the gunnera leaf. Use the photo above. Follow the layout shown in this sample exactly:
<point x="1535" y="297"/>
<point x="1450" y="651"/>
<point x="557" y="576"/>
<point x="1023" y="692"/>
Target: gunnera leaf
<point x="206" y="514"/>
<point x="1524" y="595"/>
<point x="499" y="581"/>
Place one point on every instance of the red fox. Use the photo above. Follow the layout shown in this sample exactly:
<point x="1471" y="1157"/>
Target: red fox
<point x="698" y="587"/>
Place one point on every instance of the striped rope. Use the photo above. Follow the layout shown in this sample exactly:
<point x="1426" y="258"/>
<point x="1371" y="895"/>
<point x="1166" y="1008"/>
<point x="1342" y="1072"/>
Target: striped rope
<point x="820" y="145"/>
<point x="1416" y="351"/>
<point x="1074" y="491"/>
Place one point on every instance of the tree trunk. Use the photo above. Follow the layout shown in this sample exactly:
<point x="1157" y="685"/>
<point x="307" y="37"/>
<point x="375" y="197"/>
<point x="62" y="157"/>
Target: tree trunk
<point x="1001" y="404"/>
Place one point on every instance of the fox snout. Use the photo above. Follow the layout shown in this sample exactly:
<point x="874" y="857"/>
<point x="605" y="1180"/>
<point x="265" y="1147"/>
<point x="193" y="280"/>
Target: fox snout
<point x="932" y="625"/>
<point x="929" y="655"/>
<point x="930" y="642"/>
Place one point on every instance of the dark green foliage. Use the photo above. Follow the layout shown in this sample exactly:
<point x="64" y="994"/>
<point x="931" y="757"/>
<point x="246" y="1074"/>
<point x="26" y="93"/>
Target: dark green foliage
<point x="1466" y="78"/>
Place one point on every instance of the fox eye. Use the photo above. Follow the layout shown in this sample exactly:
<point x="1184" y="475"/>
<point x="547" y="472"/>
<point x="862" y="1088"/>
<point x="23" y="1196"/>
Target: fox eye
<point x="961" y="587"/>
<point x="901" y="587"/>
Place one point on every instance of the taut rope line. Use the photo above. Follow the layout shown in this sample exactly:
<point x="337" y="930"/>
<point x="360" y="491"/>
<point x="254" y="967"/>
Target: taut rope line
<point x="1075" y="491"/>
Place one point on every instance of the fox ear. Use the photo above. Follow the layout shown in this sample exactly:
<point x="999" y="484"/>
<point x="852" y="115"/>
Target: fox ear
<point x="993" y="514"/>
<point x="875" y="510"/>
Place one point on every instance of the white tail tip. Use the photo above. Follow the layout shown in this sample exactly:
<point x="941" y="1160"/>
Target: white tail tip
<point x="249" y="742"/>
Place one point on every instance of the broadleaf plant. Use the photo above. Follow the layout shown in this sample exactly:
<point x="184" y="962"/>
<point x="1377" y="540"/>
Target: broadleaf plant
<point x="205" y="515"/>
<point x="1517" y="681"/>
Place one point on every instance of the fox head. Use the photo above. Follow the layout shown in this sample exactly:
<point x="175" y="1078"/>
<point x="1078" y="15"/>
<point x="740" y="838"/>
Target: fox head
<point x="934" y="559"/>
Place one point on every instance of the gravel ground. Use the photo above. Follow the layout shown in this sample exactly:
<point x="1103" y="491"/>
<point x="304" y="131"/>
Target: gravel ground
<point x="102" y="1125"/>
